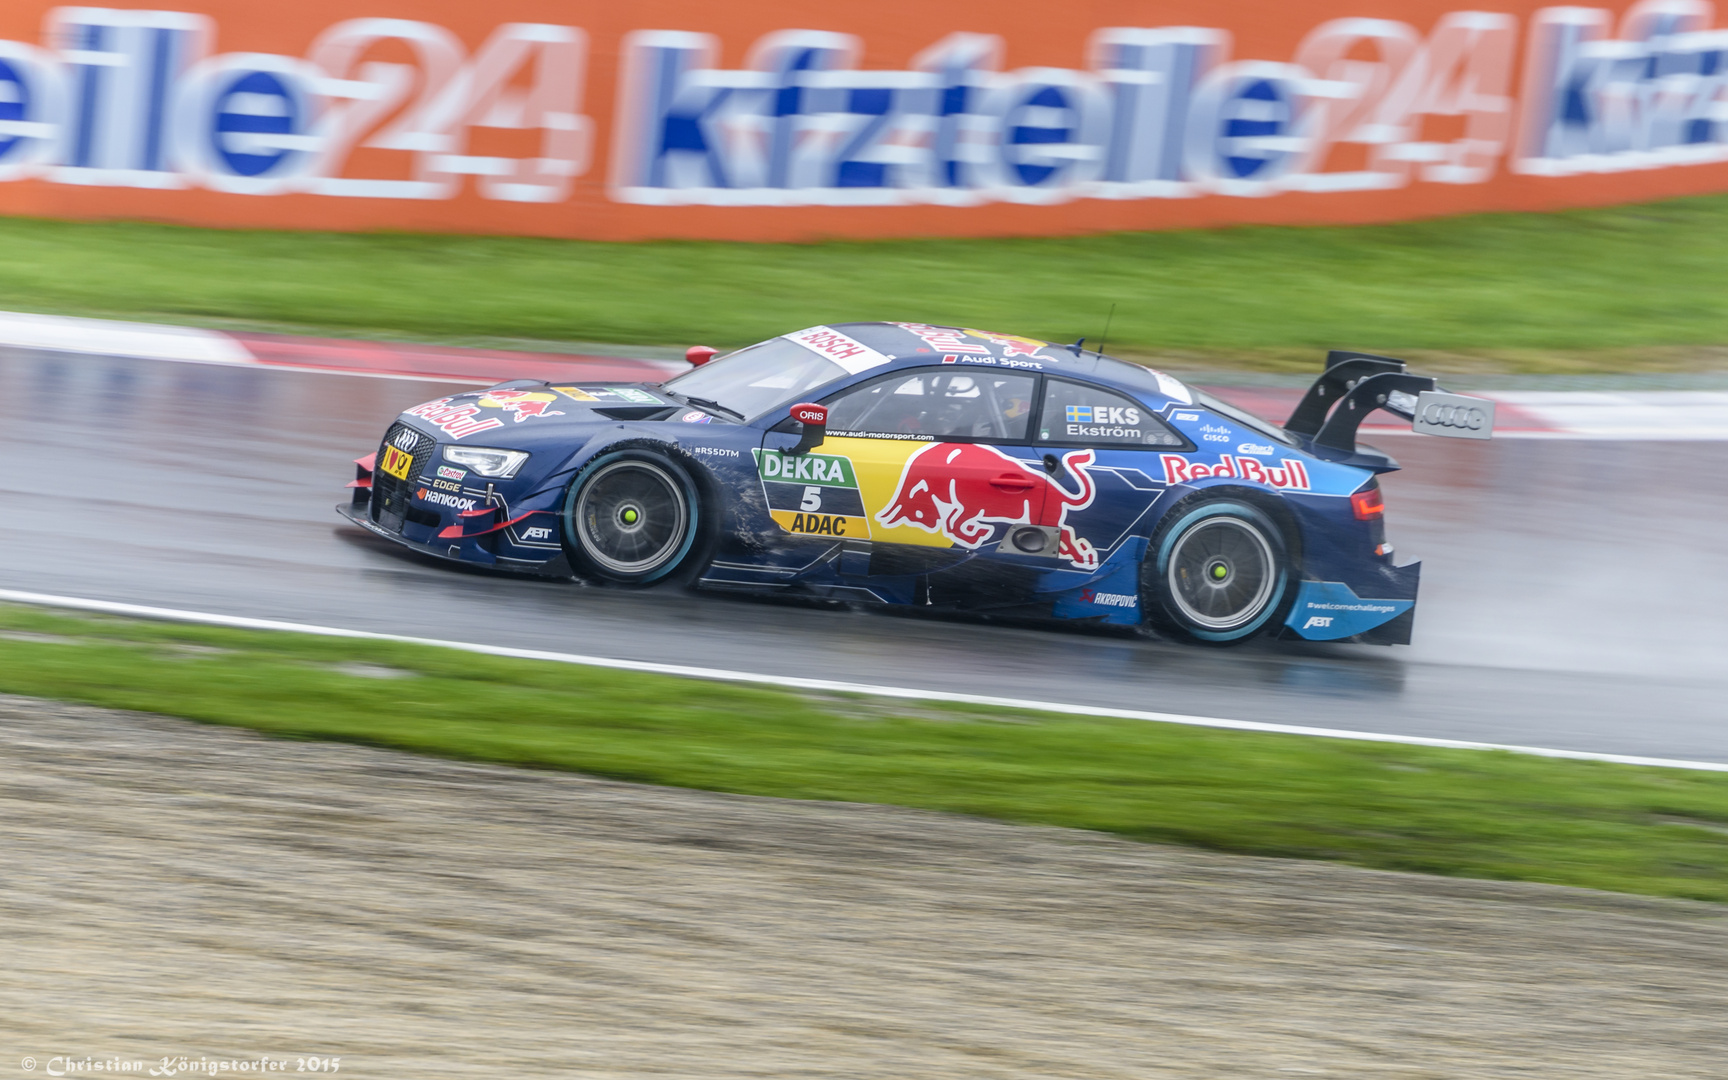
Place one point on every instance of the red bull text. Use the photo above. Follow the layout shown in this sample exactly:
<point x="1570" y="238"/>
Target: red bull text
<point x="1178" y="469"/>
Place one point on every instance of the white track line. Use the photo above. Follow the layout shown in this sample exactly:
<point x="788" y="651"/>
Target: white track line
<point x="1645" y="416"/>
<point x="791" y="682"/>
<point x="107" y="337"/>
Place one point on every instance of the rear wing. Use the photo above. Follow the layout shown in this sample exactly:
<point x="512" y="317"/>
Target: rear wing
<point x="1355" y="384"/>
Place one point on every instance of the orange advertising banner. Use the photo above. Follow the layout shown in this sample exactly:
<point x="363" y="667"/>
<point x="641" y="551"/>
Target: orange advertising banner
<point x="751" y="120"/>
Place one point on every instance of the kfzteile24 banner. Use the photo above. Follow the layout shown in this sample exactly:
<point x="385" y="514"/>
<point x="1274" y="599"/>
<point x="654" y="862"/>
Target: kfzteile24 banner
<point x="750" y="120"/>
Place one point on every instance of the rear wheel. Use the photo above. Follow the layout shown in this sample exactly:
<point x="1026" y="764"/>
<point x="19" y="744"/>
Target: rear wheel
<point x="630" y="517"/>
<point x="1217" y="572"/>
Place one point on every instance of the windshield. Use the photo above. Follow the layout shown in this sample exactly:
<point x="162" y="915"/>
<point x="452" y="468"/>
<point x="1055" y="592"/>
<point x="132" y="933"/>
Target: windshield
<point x="1246" y="419"/>
<point x="751" y="381"/>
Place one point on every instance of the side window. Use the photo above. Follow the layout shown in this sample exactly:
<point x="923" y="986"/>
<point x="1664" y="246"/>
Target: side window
<point x="1075" y="414"/>
<point x="937" y="403"/>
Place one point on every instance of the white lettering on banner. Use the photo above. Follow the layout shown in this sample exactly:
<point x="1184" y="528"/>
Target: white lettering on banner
<point x="1652" y="97"/>
<point x="1161" y="113"/>
<point x="142" y="98"/>
<point x="118" y="71"/>
<point x="132" y="98"/>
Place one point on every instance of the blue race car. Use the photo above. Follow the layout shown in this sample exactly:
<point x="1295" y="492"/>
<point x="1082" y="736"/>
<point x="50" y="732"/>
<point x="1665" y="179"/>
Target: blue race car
<point x="930" y="466"/>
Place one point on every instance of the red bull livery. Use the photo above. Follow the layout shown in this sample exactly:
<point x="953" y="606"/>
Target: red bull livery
<point x="939" y="467"/>
<point x="943" y="490"/>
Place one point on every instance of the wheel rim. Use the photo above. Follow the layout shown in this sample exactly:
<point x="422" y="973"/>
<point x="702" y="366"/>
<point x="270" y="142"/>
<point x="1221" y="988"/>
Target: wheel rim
<point x="631" y="517"/>
<point x="1222" y="573"/>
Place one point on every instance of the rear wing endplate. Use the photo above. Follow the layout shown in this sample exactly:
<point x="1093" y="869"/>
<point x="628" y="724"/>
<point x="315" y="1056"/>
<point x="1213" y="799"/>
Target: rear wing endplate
<point x="1355" y="384"/>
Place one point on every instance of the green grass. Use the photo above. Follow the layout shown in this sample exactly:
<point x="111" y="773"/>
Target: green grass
<point x="1462" y="813"/>
<point x="1645" y="284"/>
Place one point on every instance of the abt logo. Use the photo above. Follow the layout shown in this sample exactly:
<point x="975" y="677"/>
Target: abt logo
<point x="1317" y="620"/>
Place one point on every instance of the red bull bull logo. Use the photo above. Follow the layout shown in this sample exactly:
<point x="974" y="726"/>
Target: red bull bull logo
<point x="522" y="403"/>
<point x="963" y="491"/>
<point x="945" y="339"/>
<point x="1012" y="345"/>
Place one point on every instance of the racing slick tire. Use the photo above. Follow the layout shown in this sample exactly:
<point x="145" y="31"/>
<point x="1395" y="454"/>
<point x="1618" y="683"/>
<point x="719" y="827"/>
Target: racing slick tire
<point x="1217" y="572"/>
<point x="630" y="517"/>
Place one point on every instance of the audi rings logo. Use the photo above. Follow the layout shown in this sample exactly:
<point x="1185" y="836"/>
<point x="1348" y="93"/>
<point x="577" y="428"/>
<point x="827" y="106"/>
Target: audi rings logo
<point x="1453" y="415"/>
<point x="404" y="440"/>
<point x="1469" y="417"/>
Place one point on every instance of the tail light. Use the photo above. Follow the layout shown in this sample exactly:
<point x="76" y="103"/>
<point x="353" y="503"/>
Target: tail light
<point x="1368" y="504"/>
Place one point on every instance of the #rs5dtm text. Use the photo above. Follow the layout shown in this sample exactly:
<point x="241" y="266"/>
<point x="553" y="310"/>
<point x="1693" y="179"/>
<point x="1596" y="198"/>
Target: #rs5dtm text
<point x="931" y="466"/>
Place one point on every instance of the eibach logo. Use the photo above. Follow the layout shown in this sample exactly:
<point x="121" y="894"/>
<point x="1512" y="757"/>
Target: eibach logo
<point x="1292" y="474"/>
<point x="964" y="490"/>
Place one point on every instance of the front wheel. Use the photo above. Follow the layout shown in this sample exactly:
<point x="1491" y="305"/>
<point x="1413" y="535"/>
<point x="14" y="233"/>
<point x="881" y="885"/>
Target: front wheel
<point x="630" y="517"/>
<point x="1217" y="572"/>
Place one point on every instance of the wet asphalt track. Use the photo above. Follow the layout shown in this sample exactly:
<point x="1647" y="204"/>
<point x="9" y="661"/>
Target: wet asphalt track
<point x="1573" y="592"/>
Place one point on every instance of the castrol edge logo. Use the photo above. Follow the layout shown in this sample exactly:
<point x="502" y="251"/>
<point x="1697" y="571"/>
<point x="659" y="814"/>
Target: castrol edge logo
<point x="1289" y="474"/>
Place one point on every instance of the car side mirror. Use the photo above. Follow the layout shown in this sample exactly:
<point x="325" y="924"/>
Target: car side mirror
<point x="815" y="420"/>
<point x="699" y="354"/>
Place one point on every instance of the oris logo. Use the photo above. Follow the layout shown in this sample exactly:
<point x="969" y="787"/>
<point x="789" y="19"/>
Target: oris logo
<point x="1454" y="415"/>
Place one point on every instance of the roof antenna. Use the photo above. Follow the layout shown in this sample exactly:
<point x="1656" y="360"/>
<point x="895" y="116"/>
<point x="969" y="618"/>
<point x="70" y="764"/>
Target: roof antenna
<point x="1106" y="338"/>
<point x="1076" y="346"/>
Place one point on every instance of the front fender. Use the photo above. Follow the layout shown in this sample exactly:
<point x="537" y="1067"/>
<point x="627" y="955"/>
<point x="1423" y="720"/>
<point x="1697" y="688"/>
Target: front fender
<point x="615" y="437"/>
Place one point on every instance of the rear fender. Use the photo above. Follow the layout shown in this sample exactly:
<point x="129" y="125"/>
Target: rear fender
<point x="1272" y="503"/>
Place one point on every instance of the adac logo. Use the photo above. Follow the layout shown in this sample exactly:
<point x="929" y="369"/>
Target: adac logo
<point x="964" y="490"/>
<point x="813" y="494"/>
<point x="522" y="403"/>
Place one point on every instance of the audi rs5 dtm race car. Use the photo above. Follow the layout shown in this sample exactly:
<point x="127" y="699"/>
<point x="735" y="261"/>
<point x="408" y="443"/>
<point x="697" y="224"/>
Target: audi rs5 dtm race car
<point x="931" y="466"/>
